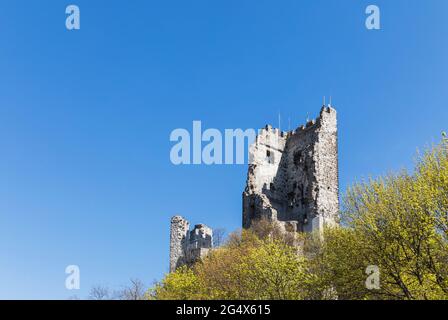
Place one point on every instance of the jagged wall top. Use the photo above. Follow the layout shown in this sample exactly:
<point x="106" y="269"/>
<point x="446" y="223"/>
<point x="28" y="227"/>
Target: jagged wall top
<point x="310" y="124"/>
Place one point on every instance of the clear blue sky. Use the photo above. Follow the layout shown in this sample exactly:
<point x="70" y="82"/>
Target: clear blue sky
<point x="85" y="116"/>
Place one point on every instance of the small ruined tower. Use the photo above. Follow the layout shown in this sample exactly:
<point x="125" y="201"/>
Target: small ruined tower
<point x="186" y="247"/>
<point x="293" y="176"/>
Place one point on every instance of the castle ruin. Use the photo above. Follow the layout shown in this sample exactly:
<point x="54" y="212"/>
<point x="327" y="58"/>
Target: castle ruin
<point x="187" y="247"/>
<point x="292" y="180"/>
<point x="293" y="176"/>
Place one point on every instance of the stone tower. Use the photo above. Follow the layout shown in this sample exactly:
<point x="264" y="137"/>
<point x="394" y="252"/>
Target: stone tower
<point x="186" y="247"/>
<point x="293" y="176"/>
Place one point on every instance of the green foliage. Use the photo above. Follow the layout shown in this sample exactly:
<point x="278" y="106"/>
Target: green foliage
<point x="398" y="223"/>
<point x="337" y="266"/>
<point x="179" y="285"/>
<point x="247" y="267"/>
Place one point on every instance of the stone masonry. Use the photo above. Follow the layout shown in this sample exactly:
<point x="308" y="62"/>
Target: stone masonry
<point x="292" y="180"/>
<point x="186" y="246"/>
<point x="293" y="176"/>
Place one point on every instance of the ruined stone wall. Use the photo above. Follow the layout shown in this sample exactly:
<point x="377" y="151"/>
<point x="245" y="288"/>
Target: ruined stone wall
<point x="186" y="247"/>
<point x="293" y="176"/>
<point x="266" y="177"/>
<point x="178" y="238"/>
<point x="292" y="179"/>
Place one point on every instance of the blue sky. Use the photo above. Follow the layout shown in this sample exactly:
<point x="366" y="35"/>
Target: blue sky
<point x="85" y="117"/>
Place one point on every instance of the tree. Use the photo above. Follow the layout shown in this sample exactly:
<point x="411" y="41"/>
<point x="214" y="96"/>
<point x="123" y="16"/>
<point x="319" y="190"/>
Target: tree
<point x="398" y="223"/>
<point x="219" y="235"/>
<point x="179" y="285"/>
<point x="99" y="292"/>
<point x="134" y="291"/>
